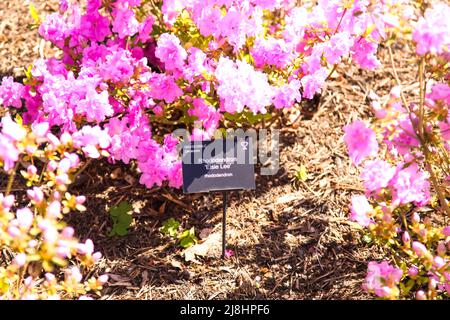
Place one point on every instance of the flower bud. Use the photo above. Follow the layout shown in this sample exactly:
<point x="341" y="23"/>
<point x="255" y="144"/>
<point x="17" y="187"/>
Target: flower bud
<point x="50" y="277"/>
<point x="14" y="232"/>
<point x="56" y="195"/>
<point x="96" y="256"/>
<point x="24" y="218"/>
<point x="446" y="231"/>
<point x="441" y="250"/>
<point x="63" y="251"/>
<point x="432" y="283"/>
<point x="20" y="260"/>
<point x="54" y="210"/>
<point x="67" y="233"/>
<point x="438" y="262"/>
<point x="66" y="138"/>
<point x="406" y="238"/>
<point x="64" y="165"/>
<point x="31" y="170"/>
<point x="80" y="199"/>
<point x="103" y="278"/>
<point x="8" y="201"/>
<point x="415" y="217"/>
<point x="420" y="295"/>
<point x="36" y="195"/>
<point x="413" y="272"/>
<point x="40" y="129"/>
<point x="52" y="165"/>
<point x="420" y="249"/>
<point x="62" y="179"/>
<point x="395" y="92"/>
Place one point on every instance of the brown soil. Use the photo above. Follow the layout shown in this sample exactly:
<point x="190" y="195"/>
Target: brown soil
<point x="291" y="239"/>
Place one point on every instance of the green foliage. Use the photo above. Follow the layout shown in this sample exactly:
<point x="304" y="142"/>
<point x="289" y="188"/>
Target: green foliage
<point x="188" y="238"/>
<point x="247" y="117"/>
<point x="122" y="217"/>
<point x="170" y="227"/>
<point x="301" y="174"/>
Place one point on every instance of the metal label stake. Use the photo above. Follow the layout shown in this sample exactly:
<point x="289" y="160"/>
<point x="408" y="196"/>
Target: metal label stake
<point x="224" y="223"/>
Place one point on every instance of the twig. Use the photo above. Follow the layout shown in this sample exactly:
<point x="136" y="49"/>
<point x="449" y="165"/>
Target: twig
<point x="11" y="178"/>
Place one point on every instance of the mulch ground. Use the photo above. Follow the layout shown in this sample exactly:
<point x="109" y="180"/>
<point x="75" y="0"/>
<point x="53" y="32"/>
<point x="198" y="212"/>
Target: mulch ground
<point x="291" y="239"/>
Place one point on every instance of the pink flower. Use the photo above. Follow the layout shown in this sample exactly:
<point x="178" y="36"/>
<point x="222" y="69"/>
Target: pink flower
<point x="208" y="116"/>
<point x="413" y="272"/>
<point x="13" y="130"/>
<point x="313" y="83"/>
<point x="163" y="87"/>
<point x="287" y="95"/>
<point x="229" y="253"/>
<point x="376" y="175"/>
<point x="54" y="29"/>
<point x="420" y="295"/>
<point x="208" y="20"/>
<point x="25" y="218"/>
<point x="90" y="139"/>
<point x="241" y="85"/>
<point x="36" y="195"/>
<point x="275" y="52"/>
<point x="170" y="52"/>
<point x="364" y="54"/>
<point x="95" y="26"/>
<point x="95" y="106"/>
<point x="446" y="231"/>
<point x="11" y="93"/>
<point x="432" y="33"/>
<point x="421" y="250"/>
<point x="410" y="184"/>
<point x="8" y="152"/>
<point x="361" y="141"/>
<point x="124" y="23"/>
<point x="145" y="29"/>
<point x="20" y="260"/>
<point x="382" y="279"/>
<point x="440" y="92"/>
<point x="360" y="210"/>
<point x="338" y="46"/>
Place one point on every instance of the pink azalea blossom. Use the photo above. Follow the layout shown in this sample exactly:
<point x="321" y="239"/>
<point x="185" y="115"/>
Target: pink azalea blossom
<point x="361" y="141"/>
<point x="360" y="210"/>
<point x="382" y="278"/>
<point x="11" y="93"/>
<point x="376" y="175"/>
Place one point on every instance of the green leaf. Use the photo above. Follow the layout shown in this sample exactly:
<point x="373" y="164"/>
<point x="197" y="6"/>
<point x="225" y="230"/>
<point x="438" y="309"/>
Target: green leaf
<point x="122" y="218"/>
<point x="121" y="230"/>
<point x="125" y="219"/>
<point x="301" y="173"/>
<point x="123" y="207"/>
<point x="367" y="239"/>
<point x="170" y="227"/>
<point x="33" y="12"/>
<point x="188" y="238"/>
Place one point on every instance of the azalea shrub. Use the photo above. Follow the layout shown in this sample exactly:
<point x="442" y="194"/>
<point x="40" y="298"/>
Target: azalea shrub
<point x="404" y="159"/>
<point x="140" y="68"/>
<point x="126" y="73"/>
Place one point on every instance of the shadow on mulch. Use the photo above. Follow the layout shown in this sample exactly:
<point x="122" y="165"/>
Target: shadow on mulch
<point x="281" y="251"/>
